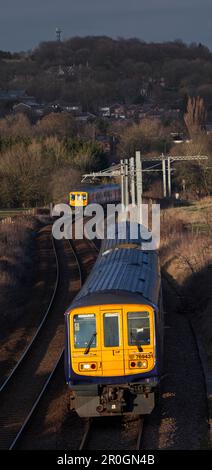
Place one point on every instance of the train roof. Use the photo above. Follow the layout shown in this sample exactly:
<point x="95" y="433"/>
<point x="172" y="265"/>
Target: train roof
<point x="109" y="297"/>
<point x="125" y="234"/>
<point x="96" y="188"/>
<point x="123" y="275"/>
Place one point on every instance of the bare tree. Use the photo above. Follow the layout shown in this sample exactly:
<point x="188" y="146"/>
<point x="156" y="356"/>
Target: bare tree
<point x="63" y="181"/>
<point x="148" y="136"/>
<point x="15" y="125"/>
<point x="195" y="116"/>
<point x="56" y="124"/>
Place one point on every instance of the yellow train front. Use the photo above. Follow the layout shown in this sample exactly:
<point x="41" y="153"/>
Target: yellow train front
<point x="78" y="198"/>
<point x="114" y="334"/>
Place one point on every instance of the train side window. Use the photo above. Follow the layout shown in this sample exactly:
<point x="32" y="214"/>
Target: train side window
<point x="138" y="328"/>
<point x="111" y="330"/>
<point x="85" y="330"/>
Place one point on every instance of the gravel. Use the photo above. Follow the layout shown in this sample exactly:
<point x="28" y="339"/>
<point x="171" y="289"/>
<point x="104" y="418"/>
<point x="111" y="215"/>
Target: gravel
<point x="179" y="421"/>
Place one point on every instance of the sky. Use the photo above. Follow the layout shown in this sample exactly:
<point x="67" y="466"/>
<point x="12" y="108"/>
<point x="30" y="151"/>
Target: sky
<point x="26" y="23"/>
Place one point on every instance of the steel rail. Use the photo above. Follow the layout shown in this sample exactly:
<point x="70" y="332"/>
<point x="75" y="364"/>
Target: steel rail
<point x="36" y="404"/>
<point x="140" y="433"/>
<point x="51" y="375"/>
<point x="86" y="435"/>
<point x="26" y="353"/>
<point x="20" y="361"/>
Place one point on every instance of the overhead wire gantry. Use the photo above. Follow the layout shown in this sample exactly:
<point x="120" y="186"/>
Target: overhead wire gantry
<point x="130" y="170"/>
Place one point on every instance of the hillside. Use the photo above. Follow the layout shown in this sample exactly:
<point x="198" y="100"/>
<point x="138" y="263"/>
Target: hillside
<point x="94" y="71"/>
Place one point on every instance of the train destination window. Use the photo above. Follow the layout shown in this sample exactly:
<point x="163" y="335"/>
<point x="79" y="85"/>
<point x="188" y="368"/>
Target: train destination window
<point x="138" y="328"/>
<point x="111" y="330"/>
<point x="85" y="331"/>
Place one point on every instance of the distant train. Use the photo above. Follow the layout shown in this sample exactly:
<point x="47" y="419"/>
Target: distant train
<point x="114" y="333"/>
<point x="95" y="194"/>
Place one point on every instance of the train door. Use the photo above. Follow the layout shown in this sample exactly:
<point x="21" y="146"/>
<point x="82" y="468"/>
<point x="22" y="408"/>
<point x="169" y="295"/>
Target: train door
<point x="112" y="342"/>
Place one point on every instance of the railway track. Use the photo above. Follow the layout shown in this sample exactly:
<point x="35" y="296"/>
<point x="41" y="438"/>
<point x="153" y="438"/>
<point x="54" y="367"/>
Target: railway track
<point x="26" y="384"/>
<point x="36" y="404"/>
<point x="27" y="428"/>
<point x="96" y="434"/>
<point x="140" y="433"/>
<point x="17" y="413"/>
<point x="20" y="361"/>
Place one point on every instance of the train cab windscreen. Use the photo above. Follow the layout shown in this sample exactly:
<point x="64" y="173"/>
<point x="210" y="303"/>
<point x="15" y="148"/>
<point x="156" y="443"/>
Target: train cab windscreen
<point x="84" y="330"/>
<point x="138" y="328"/>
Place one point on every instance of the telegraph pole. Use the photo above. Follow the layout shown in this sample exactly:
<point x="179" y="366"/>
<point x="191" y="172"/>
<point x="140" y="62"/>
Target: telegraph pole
<point x="139" y="184"/>
<point x="126" y="182"/>
<point x="169" y="177"/>
<point x="139" y="177"/>
<point x="164" y="176"/>
<point x="132" y="179"/>
<point x="122" y="183"/>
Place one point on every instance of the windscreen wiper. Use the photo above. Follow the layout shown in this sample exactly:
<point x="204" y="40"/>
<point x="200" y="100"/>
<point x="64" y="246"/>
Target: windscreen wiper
<point x="140" y="349"/>
<point x="90" y="343"/>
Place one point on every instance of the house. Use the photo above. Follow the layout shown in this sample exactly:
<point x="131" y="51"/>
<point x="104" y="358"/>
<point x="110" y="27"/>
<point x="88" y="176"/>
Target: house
<point x="12" y="95"/>
<point x="172" y="114"/>
<point x="75" y="110"/>
<point x="85" y="117"/>
<point x="104" y="111"/>
<point x="132" y="111"/>
<point x="177" y="137"/>
<point x="155" y="114"/>
<point x="21" y="108"/>
<point x="51" y="108"/>
<point x="117" y="111"/>
<point x="142" y="115"/>
<point x="31" y="108"/>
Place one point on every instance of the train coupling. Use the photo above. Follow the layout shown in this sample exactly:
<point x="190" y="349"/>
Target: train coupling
<point x="111" y="400"/>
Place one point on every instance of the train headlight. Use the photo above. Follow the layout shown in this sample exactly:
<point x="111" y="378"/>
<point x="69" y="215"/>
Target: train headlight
<point x="90" y="366"/>
<point x="142" y="364"/>
<point x="139" y="365"/>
